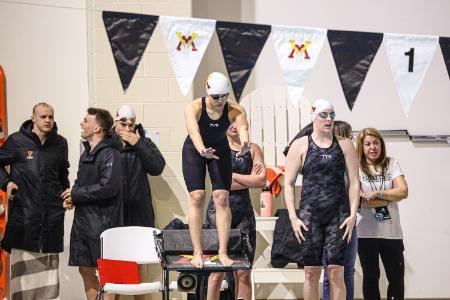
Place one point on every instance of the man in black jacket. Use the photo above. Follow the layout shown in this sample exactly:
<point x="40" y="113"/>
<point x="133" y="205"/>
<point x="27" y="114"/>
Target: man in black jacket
<point x="140" y="156"/>
<point x="38" y="160"/>
<point x="96" y="196"/>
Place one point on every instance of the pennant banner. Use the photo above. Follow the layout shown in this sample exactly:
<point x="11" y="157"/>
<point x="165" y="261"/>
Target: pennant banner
<point x="297" y="49"/>
<point x="409" y="57"/>
<point x="186" y="41"/>
<point x="128" y="35"/>
<point x="241" y="45"/>
<point x="353" y="53"/>
<point x="445" y="48"/>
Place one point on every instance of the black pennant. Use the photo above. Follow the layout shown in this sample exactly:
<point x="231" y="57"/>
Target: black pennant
<point x="445" y="48"/>
<point x="241" y="45"/>
<point x="353" y="53"/>
<point x="128" y="35"/>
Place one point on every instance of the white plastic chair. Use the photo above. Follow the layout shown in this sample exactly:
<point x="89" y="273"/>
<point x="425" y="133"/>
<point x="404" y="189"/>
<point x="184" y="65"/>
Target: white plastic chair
<point x="132" y="243"/>
<point x="137" y="244"/>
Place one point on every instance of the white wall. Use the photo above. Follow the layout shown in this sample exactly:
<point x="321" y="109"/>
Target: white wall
<point x="43" y="51"/>
<point x="424" y="214"/>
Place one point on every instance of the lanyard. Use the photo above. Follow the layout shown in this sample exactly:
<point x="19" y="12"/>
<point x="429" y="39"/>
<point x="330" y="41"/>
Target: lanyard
<point x="372" y="184"/>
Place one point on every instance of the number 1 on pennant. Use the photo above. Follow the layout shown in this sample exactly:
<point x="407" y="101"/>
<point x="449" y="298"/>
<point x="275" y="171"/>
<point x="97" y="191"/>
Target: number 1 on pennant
<point x="410" y="53"/>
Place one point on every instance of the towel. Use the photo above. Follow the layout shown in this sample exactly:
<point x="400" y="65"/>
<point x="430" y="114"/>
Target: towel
<point x="273" y="179"/>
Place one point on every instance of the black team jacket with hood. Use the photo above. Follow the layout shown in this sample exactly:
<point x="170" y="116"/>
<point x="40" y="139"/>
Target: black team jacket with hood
<point x="97" y="196"/>
<point x="36" y="215"/>
<point x="137" y="161"/>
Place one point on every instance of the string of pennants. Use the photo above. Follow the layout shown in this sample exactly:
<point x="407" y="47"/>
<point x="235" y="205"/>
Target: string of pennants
<point x="297" y="49"/>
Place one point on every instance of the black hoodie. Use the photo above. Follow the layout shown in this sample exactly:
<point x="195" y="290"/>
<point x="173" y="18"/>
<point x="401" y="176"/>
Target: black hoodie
<point x="36" y="215"/>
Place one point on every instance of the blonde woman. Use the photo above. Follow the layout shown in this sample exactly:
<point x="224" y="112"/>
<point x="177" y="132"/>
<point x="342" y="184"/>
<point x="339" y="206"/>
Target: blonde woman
<point x="379" y="231"/>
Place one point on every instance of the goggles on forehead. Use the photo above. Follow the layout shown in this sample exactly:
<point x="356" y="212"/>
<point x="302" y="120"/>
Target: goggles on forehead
<point x="221" y="97"/>
<point x="324" y="115"/>
<point x="126" y="120"/>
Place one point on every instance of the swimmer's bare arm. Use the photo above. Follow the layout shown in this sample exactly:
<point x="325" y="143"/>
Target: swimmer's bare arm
<point x="293" y="165"/>
<point x="236" y="185"/>
<point x="352" y="170"/>
<point x="192" y="114"/>
<point x="257" y="178"/>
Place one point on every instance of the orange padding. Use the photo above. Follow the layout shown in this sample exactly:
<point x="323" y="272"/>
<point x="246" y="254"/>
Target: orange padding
<point x="273" y="175"/>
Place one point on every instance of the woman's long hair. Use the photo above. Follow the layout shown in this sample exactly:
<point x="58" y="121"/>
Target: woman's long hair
<point x="382" y="162"/>
<point x="343" y="129"/>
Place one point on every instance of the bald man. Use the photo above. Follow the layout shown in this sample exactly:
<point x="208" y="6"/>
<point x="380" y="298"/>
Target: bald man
<point x="38" y="175"/>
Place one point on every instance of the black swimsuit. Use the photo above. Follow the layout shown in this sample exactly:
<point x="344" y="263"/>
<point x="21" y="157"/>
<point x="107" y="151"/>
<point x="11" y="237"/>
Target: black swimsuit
<point x="242" y="215"/>
<point x="324" y="204"/>
<point x="214" y="134"/>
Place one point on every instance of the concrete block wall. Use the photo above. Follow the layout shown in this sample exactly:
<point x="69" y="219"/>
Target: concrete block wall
<point x="155" y="96"/>
<point x="153" y="93"/>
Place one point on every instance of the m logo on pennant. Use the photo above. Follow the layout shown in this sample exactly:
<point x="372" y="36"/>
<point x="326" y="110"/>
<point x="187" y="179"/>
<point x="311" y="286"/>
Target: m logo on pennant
<point x="186" y="41"/>
<point x="296" y="49"/>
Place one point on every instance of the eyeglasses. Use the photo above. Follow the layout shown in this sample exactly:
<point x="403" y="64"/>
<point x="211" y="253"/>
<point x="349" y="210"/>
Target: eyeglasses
<point x="221" y="97"/>
<point x="125" y="120"/>
<point x="324" y="115"/>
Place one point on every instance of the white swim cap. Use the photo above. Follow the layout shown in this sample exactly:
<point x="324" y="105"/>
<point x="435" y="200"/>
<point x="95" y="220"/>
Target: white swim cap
<point x="217" y="84"/>
<point x="319" y="106"/>
<point x="125" y="114"/>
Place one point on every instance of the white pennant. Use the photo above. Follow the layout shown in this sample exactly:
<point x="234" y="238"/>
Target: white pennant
<point x="409" y="57"/>
<point x="297" y="49"/>
<point x="186" y="41"/>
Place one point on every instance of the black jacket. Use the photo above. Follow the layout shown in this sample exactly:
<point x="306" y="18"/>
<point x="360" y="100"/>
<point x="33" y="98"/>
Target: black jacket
<point x="97" y="196"/>
<point x="36" y="215"/>
<point x="307" y="130"/>
<point x="137" y="161"/>
<point x="285" y="246"/>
